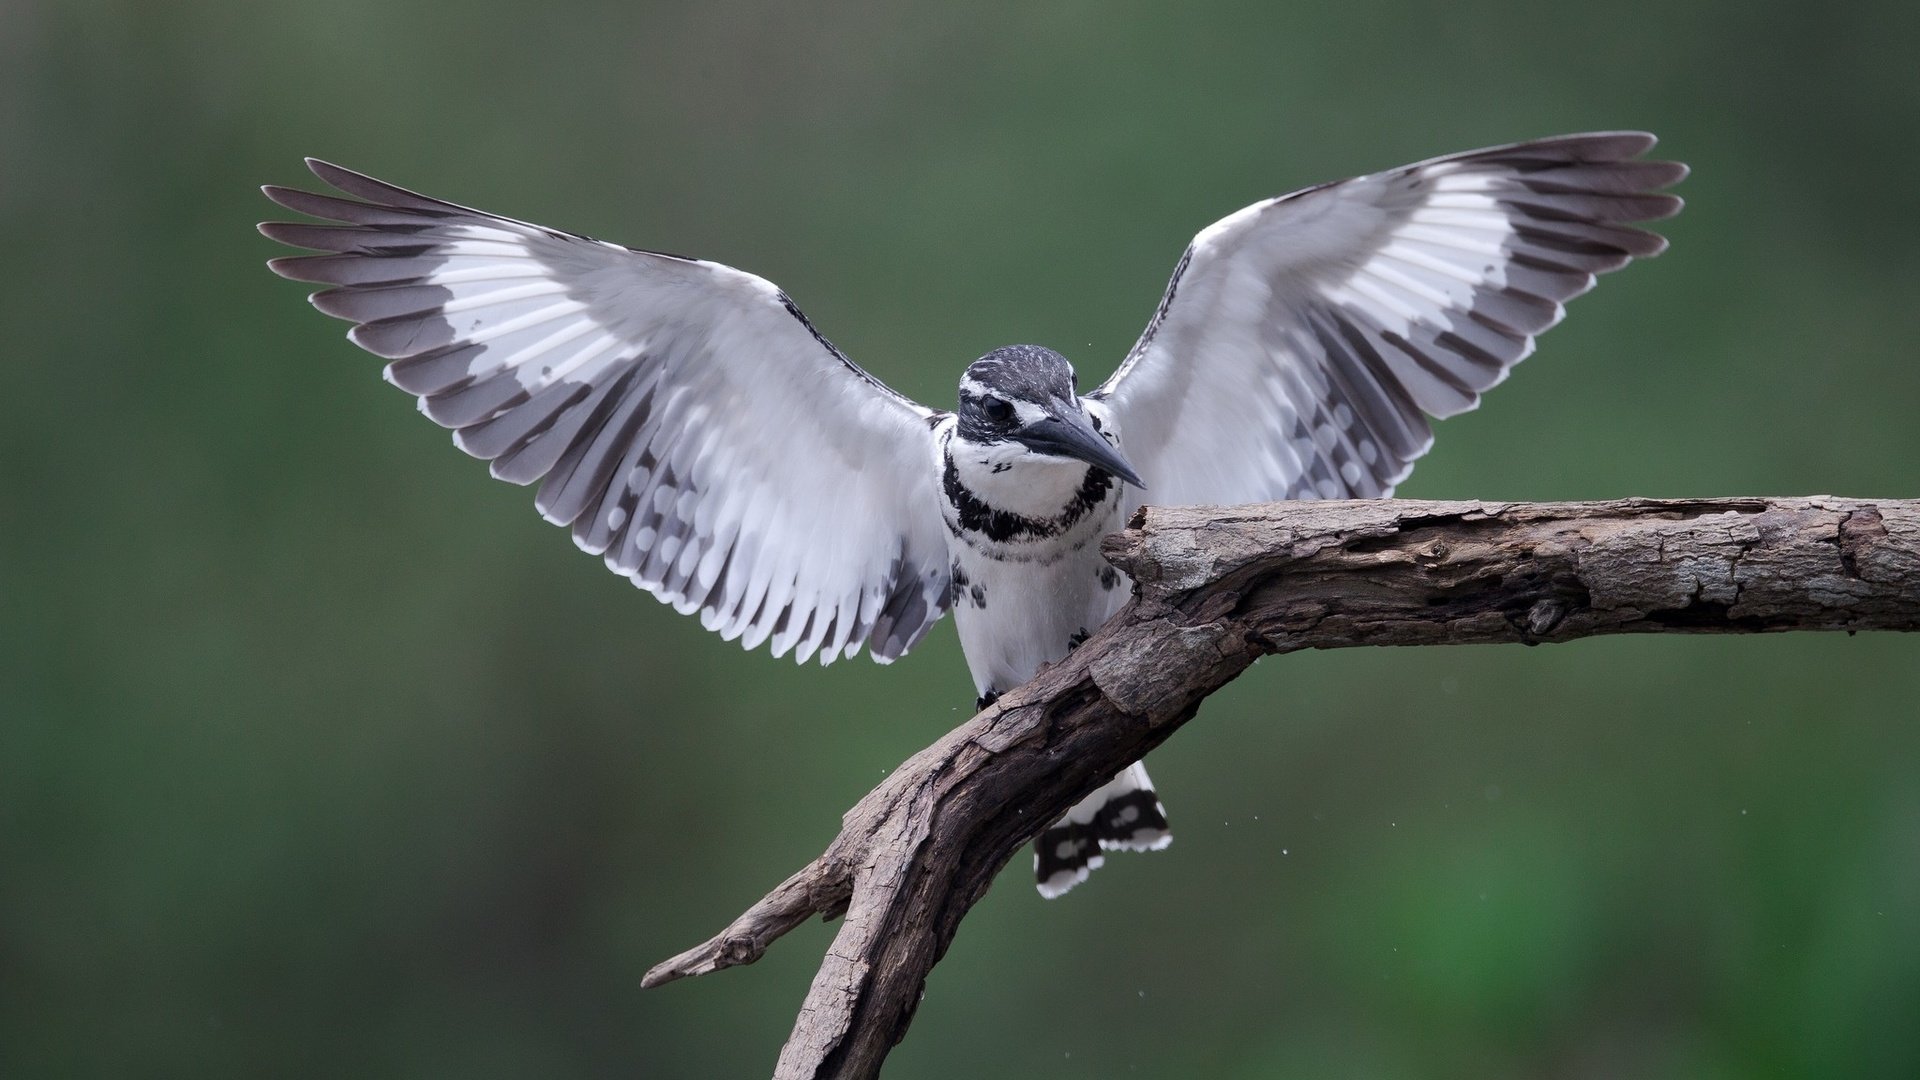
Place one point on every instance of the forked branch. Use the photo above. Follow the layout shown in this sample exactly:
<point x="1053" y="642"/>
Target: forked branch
<point x="1218" y="588"/>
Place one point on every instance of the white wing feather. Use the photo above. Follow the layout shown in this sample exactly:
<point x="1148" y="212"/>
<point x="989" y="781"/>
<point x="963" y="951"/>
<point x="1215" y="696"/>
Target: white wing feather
<point x="1304" y="340"/>
<point x="683" y="418"/>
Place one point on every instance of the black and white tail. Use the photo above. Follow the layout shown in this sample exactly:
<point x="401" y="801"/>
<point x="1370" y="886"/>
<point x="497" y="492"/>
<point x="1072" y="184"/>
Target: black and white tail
<point x="1125" y="815"/>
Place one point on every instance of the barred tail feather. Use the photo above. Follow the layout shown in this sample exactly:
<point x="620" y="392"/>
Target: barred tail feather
<point x="1124" y="815"/>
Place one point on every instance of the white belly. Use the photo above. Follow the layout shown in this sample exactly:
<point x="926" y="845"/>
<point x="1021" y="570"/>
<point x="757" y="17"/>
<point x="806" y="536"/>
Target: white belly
<point x="1024" y="597"/>
<point x="1015" y="616"/>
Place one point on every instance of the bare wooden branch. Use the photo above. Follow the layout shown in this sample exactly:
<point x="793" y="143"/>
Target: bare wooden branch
<point x="1217" y="588"/>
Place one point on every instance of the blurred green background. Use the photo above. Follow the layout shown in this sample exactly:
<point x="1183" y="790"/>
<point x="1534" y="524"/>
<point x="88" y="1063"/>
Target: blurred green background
<point x="322" y="756"/>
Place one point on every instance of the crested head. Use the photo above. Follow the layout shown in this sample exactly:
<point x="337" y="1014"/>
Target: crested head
<point x="1011" y="387"/>
<point x="1020" y="400"/>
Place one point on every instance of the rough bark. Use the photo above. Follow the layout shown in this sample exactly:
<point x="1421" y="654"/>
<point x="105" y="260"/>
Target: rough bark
<point x="1217" y="588"/>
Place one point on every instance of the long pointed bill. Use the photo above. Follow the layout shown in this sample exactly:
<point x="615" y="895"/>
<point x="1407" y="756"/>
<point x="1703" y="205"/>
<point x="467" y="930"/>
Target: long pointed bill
<point x="1067" y="432"/>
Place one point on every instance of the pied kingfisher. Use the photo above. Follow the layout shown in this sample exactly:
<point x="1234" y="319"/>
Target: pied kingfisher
<point x="689" y="425"/>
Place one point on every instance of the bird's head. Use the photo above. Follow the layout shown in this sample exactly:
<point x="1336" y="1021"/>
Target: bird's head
<point x="1024" y="395"/>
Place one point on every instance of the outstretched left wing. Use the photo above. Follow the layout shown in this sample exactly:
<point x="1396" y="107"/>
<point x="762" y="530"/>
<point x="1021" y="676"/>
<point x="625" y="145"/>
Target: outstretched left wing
<point x="1304" y="340"/>
<point x="684" y="420"/>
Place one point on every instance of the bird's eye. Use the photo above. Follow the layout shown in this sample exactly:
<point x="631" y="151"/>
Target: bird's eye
<point x="998" y="410"/>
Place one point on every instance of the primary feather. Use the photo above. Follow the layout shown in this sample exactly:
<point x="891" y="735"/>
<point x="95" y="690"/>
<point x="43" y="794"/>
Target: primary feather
<point x="1304" y="341"/>
<point x="681" y="417"/>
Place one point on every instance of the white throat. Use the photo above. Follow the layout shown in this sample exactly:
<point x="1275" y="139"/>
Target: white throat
<point x="1008" y="476"/>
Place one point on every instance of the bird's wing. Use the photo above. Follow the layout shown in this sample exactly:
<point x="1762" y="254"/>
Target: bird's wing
<point x="683" y="419"/>
<point x="1304" y="340"/>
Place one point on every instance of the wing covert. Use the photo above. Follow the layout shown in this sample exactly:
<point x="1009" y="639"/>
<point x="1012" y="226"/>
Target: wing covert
<point x="682" y="418"/>
<point x="1305" y="340"/>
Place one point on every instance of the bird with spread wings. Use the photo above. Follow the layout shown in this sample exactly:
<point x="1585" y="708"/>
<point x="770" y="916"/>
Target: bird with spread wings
<point x="692" y="428"/>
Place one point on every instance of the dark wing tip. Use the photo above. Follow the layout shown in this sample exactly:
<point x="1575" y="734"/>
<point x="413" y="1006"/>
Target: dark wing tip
<point x="302" y="202"/>
<point x="338" y="303"/>
<point x="287" y="266"/>
<point x="1660" y="207"/>
<point x="379" y="192"/>
<point x="341" y="177"/>
<point x="1627" y="143"/>
<point x="1652" y="174"/>
<point x="1589" y="147"/>
<point x="302" y="235"/>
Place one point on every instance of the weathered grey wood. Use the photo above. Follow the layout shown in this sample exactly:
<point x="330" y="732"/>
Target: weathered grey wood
<point x="1216" y="588"/>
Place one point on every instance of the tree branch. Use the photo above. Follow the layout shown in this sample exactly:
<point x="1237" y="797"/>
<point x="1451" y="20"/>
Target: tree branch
<point x="1217" y="588"/>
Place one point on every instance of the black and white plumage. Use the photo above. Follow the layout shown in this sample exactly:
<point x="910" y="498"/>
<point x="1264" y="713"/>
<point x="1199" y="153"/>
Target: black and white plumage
<point x="682" y="418"/>
<point x="688" y="425"/>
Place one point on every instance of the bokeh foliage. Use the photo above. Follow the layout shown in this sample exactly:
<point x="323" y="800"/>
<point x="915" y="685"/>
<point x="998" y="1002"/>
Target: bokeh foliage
<point x="321" y="756"/>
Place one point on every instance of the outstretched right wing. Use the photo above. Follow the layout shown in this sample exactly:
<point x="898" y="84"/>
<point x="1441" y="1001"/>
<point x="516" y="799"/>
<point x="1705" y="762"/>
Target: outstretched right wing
<point x="1304" y="340"/>
<point x="684" y="420"/>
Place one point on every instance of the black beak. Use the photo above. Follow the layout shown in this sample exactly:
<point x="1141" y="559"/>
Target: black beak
<point x="1066" y="432"/>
